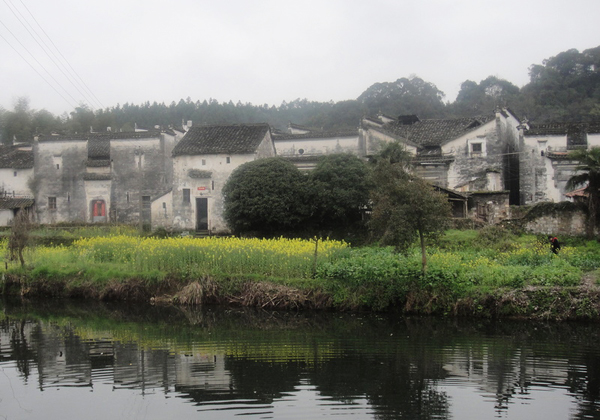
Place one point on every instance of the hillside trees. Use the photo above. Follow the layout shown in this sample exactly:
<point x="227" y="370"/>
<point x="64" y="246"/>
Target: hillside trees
<point x="483" y="98"/>
<point x="403" y="97"/>
<point x="565" y="87"/>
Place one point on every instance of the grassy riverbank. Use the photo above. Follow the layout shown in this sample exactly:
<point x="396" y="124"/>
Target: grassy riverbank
<point x="485" y="273"/>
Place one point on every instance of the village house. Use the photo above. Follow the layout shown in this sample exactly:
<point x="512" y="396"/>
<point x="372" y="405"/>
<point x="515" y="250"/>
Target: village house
<point x="202" y="163"/>
<point x="544" y="162"/>
<point x="476" y="156"/>
<point x="174" y="178"/>
<point x="101" y="177"/>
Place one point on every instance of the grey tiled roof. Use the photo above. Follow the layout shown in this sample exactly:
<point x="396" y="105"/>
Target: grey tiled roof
<point x="107" y="135"/>
<point x="97" y="163"/>
<point x="90" y="176"/>
<point x="562" y="128"/>
<point x="12" y="157"/>
<point x="99" y="148"/>
<point x="436" y="132"/>
<point x="15" y="203"/>
<point x="214" y="139"/>
<point x="316" y="135"/>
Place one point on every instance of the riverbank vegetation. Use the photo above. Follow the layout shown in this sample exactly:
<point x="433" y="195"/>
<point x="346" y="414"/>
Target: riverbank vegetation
<point x="486" y="273"/>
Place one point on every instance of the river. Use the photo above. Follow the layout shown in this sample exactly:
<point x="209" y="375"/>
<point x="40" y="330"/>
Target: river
<point x="59" y="360"/>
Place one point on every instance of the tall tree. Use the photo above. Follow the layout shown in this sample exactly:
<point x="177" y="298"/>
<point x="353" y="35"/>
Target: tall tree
<point x="405" y="96"/>
<point x="483" y="98"/>
<point x="17" y="124"/>
<point x="406" y="208"/>
<point x="589" y="175"/>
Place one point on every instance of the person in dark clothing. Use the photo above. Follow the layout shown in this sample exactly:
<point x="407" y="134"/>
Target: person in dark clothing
<point x="554" y="244"/>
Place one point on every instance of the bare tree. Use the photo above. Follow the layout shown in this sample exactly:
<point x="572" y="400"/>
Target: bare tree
<point x="19" y="236"/>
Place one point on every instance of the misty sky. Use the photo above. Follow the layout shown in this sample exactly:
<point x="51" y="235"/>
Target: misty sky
<point x="268" y="51"/>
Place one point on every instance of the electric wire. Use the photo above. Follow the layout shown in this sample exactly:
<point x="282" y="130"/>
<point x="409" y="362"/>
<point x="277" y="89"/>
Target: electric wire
<point x="36" y="60"/>
<point x="34" y="69"/>
<point x="67" y="69"/>
<point x="74" y="72"/>
<point x="23" y="21"/>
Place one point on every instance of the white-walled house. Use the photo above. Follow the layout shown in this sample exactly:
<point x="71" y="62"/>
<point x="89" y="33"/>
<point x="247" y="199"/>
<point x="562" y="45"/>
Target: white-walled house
<point x="545" y="165"/>
<point x="16" y="180"/>
<point x="202" y="162"/>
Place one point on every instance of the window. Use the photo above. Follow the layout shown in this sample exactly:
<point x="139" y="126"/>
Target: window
<point x="186" y="196"/>
<point x="15" y="173"/>
<point x="213" y="184"/>
<point x="227" y="159"/>
<point x="58" y="166"/>
<point x="127" y="196"/>
<point x="476" y="147"/>
<point x="203" y="162"/>
<point x="68" y="197"/>
<point x="51" y="203"/>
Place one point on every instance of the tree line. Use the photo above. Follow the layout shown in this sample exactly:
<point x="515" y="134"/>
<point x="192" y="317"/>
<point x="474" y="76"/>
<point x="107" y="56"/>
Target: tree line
<point x="563" y="88"/>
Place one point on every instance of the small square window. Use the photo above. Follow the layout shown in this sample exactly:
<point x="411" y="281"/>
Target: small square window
<point x="51" y="203"/>
<point x="476" y="147"/>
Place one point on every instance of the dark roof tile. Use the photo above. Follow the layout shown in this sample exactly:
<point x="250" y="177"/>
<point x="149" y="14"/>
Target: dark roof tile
<point x="436" y="132"/>
<point x="317" y="135"/>
<point x="107" y="136"/>
<point x="15" y="203"/>
<point x="15" y="158"/>
<point x="215" y="139"/>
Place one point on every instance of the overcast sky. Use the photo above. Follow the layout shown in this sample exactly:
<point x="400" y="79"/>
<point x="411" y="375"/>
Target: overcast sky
<point x="268" y="51"/>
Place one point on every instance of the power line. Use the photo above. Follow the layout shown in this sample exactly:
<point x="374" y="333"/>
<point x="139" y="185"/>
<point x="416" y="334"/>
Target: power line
<point x="23" y="21"/>
<point x="63" y="57"/>
<point x="34" y="69"/>
<point x="36" y="60"/>
<point x="67" y="70"/>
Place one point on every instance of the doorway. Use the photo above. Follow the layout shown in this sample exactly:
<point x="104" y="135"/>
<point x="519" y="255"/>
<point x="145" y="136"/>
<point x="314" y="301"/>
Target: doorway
<point x="98" y="211"/>
<point x="201" y="213"/>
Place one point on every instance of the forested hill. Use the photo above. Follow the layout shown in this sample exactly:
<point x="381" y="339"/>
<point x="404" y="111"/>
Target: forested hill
<point x="565" y="87"/>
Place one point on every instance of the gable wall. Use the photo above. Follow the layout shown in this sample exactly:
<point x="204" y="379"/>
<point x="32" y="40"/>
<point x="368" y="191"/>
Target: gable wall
<point x="468" y="165"/>
<point x="542" y="178"/>
<point x="317" y="146"/>
<point x="65" y="182"/>
<point x="139" y="168"/>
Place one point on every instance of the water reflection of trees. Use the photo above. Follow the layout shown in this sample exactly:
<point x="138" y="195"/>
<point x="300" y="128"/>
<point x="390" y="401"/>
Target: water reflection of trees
<point x="396" y="365"/>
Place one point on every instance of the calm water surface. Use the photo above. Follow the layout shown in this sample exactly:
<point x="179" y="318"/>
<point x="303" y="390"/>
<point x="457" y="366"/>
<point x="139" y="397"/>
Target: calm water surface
<point x="125" y="362"/>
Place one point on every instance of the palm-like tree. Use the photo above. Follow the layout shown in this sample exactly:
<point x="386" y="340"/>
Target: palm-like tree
<point x="588" y="174"/>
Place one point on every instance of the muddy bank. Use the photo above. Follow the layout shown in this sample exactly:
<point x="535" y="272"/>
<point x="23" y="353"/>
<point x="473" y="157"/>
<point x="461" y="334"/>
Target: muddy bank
<point x="547" y="303"/>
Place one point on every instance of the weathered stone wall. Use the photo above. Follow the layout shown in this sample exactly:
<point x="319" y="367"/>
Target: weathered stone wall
<point x="59" y="166"/>
<point x="568" y="223"/>
<point x="490" y="207"/>
<point x="139" y="168"/>
<point x="468" y="165"/>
